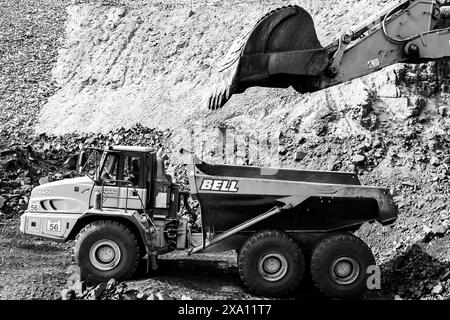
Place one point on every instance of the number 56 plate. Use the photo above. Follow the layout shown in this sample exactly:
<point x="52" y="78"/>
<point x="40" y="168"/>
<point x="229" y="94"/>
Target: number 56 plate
<point x="53" y="226"/>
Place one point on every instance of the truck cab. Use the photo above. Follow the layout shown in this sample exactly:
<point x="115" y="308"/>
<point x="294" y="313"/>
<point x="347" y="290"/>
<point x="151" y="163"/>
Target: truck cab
<point x="134" y="178"/>
<point x="129" y="185"/>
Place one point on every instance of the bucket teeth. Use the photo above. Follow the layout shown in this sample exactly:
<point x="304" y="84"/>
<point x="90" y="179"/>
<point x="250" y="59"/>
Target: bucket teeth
<point x="228" y="71"/>
<point x="221" y="92"/>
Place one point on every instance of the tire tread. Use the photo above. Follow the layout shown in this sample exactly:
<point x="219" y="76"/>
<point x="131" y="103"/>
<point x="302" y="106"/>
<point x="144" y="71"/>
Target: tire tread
<point x="321" y="246"/>
<point x="125" y="231"/>
<point x="250" y="242"/>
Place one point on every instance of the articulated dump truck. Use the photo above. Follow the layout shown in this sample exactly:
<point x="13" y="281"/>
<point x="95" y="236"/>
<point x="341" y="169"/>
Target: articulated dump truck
<point x="284" y="224"/>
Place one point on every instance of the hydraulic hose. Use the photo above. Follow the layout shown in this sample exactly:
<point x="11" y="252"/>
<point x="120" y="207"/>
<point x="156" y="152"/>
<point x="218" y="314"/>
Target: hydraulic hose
<point x="395" y="10"/>
<point x="387" y="16"/>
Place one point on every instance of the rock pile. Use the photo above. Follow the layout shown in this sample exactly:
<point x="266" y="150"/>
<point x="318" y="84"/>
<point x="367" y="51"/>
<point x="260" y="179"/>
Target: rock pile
<point x="416" y="275"/>
<point x="26" y="162"/>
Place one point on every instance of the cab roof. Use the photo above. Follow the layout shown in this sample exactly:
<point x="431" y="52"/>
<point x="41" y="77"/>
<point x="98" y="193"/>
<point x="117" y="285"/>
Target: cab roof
<point x="131" y="148"/>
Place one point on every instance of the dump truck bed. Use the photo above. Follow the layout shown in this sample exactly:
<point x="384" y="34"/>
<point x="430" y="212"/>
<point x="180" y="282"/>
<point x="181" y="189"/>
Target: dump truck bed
<point x="231" y="195"/>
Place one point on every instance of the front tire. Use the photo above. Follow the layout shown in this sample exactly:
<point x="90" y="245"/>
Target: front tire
<point x="105" y="250"/>
<point x="339" y="265"/>
<point x="271" y="264"/>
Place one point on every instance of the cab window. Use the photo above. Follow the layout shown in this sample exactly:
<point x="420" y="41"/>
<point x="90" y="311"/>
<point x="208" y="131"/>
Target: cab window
<point x="132" y="169"/>
<point x="109" y="171"/>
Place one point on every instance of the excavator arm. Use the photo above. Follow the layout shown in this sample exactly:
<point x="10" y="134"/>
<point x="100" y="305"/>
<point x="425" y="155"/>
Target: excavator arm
<point x="282" y="49"/>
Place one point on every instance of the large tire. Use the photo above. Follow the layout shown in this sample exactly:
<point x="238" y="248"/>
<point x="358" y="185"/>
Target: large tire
<point x="106" y="249"/>
<point x="270" y="263"/>
<point x="339" y="265"/>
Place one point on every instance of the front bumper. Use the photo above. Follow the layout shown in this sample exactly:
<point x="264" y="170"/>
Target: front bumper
<point x="48" y="225"/>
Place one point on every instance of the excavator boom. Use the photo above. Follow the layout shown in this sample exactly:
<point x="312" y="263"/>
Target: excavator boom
<point x="283" y="50"/>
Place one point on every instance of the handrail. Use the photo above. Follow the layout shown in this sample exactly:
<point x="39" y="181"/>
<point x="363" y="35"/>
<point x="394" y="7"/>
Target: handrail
<point x="126" y="202"/>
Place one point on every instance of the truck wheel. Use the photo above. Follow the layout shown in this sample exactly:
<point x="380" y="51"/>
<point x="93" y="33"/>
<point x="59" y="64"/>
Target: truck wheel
<point x="105" y="250"/>
<point x="270" y="263"/>
<point x="339" y="265"/>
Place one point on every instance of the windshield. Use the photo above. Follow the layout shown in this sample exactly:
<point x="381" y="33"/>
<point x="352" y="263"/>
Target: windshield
<point x="90" y="160"/>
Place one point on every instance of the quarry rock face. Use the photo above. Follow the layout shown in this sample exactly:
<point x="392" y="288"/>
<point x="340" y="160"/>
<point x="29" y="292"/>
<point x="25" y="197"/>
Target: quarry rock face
<point x="122" y="64"/>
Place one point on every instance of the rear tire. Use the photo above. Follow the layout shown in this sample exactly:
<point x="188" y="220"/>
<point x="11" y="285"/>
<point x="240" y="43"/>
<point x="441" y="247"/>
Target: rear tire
<point x="105" y="250"/>
<point x="271" y="264"/>
<point x="339" y="265"/>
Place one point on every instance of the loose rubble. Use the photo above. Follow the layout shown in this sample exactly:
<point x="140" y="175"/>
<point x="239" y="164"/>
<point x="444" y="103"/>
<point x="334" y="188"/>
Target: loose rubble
<point x="113" y="290"/>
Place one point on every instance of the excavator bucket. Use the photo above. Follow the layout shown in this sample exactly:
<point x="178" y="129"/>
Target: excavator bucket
<point x="281" y="50"/>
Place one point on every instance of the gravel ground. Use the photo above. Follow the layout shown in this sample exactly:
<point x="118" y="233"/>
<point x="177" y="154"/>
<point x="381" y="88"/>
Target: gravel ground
<point x="30" y="268"/>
